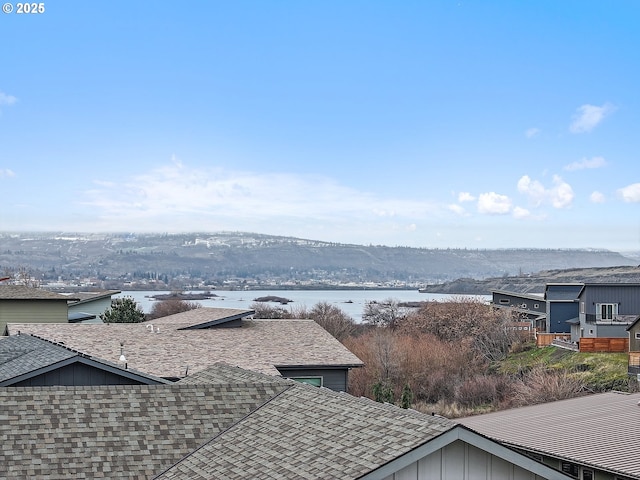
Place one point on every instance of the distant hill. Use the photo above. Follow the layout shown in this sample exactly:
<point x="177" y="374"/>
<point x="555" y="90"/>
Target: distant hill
<point x="218" y="257"/>
<point x="535" y="283"/>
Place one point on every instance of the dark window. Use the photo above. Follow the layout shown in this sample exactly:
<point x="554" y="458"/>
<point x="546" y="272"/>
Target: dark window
<point x="587" y="474"/>
<point x="570" y="469"/>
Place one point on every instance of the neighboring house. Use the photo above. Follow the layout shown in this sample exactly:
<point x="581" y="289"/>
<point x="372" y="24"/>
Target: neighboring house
<point x="229" y="423"/>
<point x="594" y="437"/>
<point x="529" y="306"/>
<point x="607" y="310"/>
<point x="585" y="310"/>
<point x="88" y="306"/>
<point x="634" y="348"/>
<point x="179" y="345"/>
<point x="27" y="361"/>
<point x="20" y="304"/>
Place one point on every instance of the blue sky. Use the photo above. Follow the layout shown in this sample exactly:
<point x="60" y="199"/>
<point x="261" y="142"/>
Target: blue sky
<point x="441" y="124"/>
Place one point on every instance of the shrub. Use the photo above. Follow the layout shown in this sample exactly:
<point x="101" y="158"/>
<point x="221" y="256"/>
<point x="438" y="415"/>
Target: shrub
<point x="172" y="306"/>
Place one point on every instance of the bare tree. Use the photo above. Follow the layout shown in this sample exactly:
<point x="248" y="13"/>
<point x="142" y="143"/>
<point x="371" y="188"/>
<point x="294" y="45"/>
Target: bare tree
<point x="264" y="310"/>
<point x="333" y="320"/>
<point x="384" y="314"/>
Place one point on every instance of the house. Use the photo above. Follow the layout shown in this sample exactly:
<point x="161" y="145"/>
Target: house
<point x="225" y="422"/>
<point x="29" y="361"/>
<point x="531" y="307"/>
<point x="87" y="307"/>
<point x="584" y="311"/>
<point x="606" y="310"/>
<point x="23" y="304"/>
<point x="594" y="437"/>
<point x="179" y="345"/>
<point x="634" y="348"/>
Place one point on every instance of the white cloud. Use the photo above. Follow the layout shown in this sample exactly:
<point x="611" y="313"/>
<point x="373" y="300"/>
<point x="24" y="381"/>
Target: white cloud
<point x="560" y="195"/>
<point x="597" y="197"/>
<point x="7" y="100"/>
<point x="533" y="189"/>
<point x="231" y="199"/>
<point x="6" y="173"/>
<point x="494" y="203"/>
<point x="587" y="117"/>
<point x="465" y="197"/>
<point x="586" y="163"/>
<point x="630" y="193"/>
<point x="532" y="132"/>
<point x="519" y="212"/>
<point x="457" y="209"/>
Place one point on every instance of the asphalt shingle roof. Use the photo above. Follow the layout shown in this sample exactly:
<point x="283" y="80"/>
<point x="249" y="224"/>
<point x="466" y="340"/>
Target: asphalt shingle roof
<point x="218" y="423"/>
<point x="22" y="354"/>
<point x="306" y="432"/>
<point x="115" y="431"/>
<point x="259" y="345"/>
<point x="20" y="292"/>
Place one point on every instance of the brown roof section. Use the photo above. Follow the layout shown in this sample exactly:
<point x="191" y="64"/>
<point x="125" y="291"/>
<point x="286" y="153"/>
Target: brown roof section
<point x="598" y="430"/>
<point x="165" y="349"/>
<point x="20" y="292"/>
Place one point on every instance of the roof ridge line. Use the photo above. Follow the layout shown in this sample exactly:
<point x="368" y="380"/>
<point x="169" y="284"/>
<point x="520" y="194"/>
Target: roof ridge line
<point x="223" y="431"/>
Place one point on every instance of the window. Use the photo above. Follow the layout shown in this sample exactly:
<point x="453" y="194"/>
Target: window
<point x="504" y="301"/>
<point x="581" y="307"/>
<point x="637" y="335"/>
<point x="587" y="474"/>
<point x="606" y="311"/>
<point x="315" y="381"/>
<point x="535" y="305"/>
<point x="570" y="469"/>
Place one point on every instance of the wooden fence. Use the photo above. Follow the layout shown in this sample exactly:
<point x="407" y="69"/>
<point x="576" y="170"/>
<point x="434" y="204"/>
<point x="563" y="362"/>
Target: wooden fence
<point x="611" y="345"/>
<point x="546" y="339"/>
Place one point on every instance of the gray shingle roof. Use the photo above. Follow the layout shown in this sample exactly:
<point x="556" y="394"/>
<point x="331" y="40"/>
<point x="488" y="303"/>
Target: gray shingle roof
<point x="115" y="431"/>
<point x="222" y="422"/>
<point x="24" y="355"/>
<point x="20" y="292"/>
<point x="600" y="430"/>
<point x="306" y="432"/>
<point x="259" y="345"/>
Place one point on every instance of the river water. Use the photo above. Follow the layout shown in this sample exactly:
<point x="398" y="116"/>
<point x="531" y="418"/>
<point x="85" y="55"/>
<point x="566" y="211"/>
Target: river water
<point x="351" y="302"/>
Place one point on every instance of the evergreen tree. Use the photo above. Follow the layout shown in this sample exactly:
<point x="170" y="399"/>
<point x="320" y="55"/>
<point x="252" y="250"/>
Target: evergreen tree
<point x="123" y="310"/>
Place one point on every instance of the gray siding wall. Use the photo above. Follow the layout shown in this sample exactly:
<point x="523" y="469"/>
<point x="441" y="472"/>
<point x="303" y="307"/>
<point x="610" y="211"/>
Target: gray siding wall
<point x="335" y="379"/>
<point x="522" y="303"/>
<point x="626" y="296"/>
<point x="76" y="374"/>
<point x="634" y="343"/>
<point x="94" y="307"/>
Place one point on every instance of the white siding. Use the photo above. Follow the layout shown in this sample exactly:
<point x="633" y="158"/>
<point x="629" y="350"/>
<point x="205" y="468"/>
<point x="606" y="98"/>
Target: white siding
<point x="461" y="461"/>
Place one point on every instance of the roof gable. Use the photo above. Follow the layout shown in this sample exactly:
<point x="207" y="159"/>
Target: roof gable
<point x="24" y="357"/>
